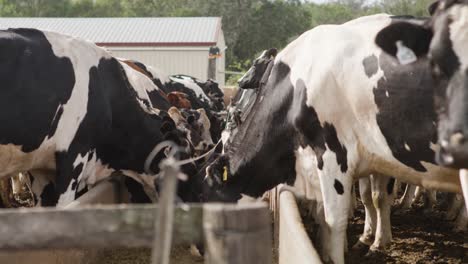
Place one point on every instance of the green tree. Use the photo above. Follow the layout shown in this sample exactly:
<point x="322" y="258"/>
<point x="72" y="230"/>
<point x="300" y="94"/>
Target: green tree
<point x="7" y="8"/>
<point x="272" y="24"/>
<point x="98" y="8"/>
<point x="406" y="7"/>
<point x="33" y="8"/>
<point x="333" y="13"/>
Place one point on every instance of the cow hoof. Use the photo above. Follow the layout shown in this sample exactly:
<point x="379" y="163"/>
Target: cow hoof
<point x="360" y="247"/>
<point x="375" y="252"/>
<point x="328" y="261"/>
<point x="428" y="209"/>
<point x="460" y="229"/>
<point x="460" y="225"/>
<point x="197" y="250"/>
<point x="451" y="216"/>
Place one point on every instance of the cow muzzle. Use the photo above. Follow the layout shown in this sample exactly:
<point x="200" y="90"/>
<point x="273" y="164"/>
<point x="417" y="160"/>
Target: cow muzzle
<point x="453" y="151"/>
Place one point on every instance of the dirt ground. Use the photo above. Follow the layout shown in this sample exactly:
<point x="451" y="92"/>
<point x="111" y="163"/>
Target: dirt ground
<point x="418" y="237"/>
<point x="179" y="255"/>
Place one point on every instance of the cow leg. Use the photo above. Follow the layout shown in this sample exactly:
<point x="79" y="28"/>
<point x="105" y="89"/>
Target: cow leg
<point x="461" y="223"/>
<point x="5" y="189"/>
<point x="323" y="232"/>
<point x="353" y="202"/>
<point x="417" y="194"/>
<point x="464" y="185"/>
<point x="406" y="201"/>
<point x="43" y="189"/>
<point x="336" y="190"/>
<point x="455" y="203"/>
<point x="382" y="196"/>
<point x="136" y="191"/>
<point x="367" y="237"/>
<point x="430" y="199"/>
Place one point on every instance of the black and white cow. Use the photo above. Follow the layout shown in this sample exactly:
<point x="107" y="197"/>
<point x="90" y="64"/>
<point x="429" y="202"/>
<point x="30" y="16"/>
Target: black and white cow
<point x="206" y="95"/>
<point x="158" y="77"/>
<point x="197" y="126"/>
<point x="444" y="40"/>
<point x="333" y="93"/>
<point x="210" y="88"/>
<point x="375" y="191"/>
<point x="249" y="83"/>
<point x="73" y="111"/>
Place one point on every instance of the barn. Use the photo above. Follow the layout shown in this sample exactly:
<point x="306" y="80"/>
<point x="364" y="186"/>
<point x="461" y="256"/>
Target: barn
<point x="177" y="45"/>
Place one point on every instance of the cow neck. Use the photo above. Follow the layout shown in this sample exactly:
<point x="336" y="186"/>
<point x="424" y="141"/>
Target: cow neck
<point x="262" y="150"/>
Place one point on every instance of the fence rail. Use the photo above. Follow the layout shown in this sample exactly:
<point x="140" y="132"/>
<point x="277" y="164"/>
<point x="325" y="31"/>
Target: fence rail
<point x="232" y="234"/>
<point x="92" y="227"/>
<point x="291" y="239"/>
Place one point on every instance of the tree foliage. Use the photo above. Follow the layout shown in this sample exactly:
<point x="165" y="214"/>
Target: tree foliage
<point x="249" y="25"/>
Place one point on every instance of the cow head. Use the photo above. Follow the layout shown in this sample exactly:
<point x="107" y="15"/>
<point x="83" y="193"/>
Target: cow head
<point x="200" y="122"/>
<point x="196" y="126"/>
<point x="257" y="156"/>
<point x="179" y="100"/>
<point x="253" y="77"/>
<point x="211" y="88"/>
<point x="218" y="186"/>
<point x="444" y="40"/>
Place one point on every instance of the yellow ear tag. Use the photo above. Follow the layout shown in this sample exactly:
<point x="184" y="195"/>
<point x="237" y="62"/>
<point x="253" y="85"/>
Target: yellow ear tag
<point x="225" y="174"/>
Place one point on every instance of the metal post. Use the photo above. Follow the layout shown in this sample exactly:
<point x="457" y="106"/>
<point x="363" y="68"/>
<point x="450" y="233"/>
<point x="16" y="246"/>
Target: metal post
<point x="164" y="220"/>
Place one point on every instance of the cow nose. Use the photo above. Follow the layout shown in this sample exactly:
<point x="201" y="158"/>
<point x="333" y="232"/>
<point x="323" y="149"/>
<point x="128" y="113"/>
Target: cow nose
<point x="453" y="151"/>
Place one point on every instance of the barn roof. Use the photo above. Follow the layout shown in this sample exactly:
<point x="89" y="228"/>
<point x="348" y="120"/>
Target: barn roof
<point x="148" y="31"/>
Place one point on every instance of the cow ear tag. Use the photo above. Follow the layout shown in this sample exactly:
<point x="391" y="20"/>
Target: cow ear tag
<point x="404" y="54"/>
<point x="225" y="174"/>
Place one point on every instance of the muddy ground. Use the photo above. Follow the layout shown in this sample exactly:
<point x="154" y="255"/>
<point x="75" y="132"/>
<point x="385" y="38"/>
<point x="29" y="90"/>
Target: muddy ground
<point x="418" y="237"/>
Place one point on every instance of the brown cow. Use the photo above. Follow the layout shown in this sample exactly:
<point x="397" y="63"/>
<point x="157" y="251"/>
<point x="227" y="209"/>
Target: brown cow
<point x="179" y="100"/>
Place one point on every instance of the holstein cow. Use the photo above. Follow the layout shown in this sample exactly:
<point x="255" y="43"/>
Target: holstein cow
<point x="76" y="113"/>
<point x="210" y="88"/>
<point x="242" y="102"/>
<point x="179" y="100"/>
<point x="376" y="192"/>
<point x="183" y="90"/>
<point x="198" y="99"/>
<point x="197" y="126"/>
<point x="334" y="93"/>
<point x="195" y="130"/>
<point x="443" y="40"/>
<point x="158" y="77"/>
<point x="140" y="78"/>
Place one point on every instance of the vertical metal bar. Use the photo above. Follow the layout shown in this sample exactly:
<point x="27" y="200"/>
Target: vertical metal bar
<point x="164" y="220"/>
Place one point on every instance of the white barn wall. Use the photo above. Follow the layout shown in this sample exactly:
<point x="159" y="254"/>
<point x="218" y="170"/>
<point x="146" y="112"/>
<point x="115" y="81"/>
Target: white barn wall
<point x="192" y="61"/>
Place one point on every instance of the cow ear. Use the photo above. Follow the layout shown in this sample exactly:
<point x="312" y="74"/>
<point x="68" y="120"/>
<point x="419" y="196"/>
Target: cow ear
<point x="432" y="8"/>
<point x="201" y="111"/>
<point x="272" y="52"/>
<point x="176" y="115"/>
<point x="416" y="38"/>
